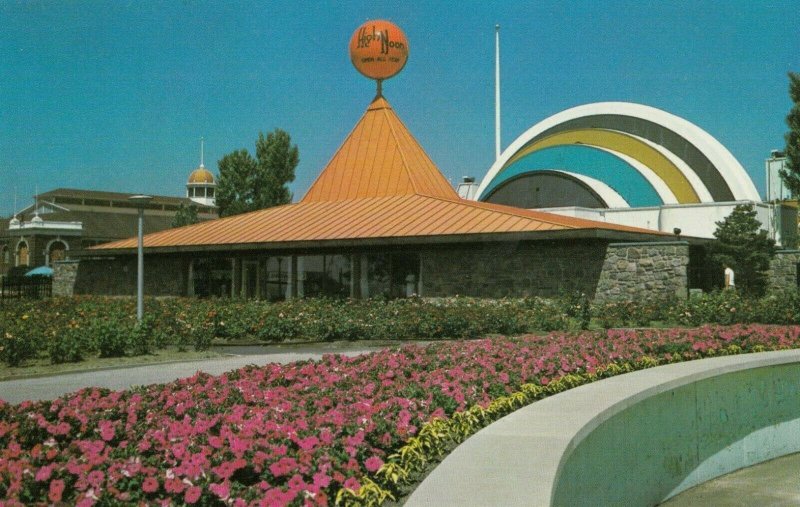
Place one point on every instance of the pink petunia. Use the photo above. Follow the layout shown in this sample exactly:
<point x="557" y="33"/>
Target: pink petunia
<point x="43" y="474"/>
<point x="174" y="485"/>
<point x="106" y="429"/>
<point x="150" y="485"/>
<point x="96" y="478"/>
<point x="283" y="467"/>
<point x="352" y="483"/>
<point x="321" y="480"/>
<point x="56" y="490"/>
<point x="373" y="464"/>
<point x="192" y="494"/>
<point x="221" y="490"/>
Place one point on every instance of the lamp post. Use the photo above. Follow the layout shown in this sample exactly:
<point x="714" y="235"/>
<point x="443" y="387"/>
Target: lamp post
<point x="141" y="202"/>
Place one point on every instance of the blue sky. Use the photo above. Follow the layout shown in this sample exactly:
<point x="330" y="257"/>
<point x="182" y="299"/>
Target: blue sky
<point x="116" y="95"/>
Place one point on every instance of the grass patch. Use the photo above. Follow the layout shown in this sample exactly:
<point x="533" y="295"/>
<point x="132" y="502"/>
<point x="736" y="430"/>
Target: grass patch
<point x="41" y="367"/>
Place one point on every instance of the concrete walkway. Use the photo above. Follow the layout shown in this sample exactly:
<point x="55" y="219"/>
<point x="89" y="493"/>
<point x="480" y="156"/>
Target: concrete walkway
<point x="48" y="388"/>
<point x="775" y="483"/>
<point x="517" y="460"/>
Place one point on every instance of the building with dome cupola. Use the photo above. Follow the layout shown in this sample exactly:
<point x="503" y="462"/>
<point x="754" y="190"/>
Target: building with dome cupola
<point x="63" y="221"/>
<point x="201" y="187"/>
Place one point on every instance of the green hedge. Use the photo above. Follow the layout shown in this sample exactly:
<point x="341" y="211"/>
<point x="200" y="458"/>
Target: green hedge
<point x="71" y="329"/>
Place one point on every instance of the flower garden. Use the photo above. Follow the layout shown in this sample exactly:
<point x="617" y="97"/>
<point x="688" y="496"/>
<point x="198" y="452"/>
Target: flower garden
<point x="340" y="430"/>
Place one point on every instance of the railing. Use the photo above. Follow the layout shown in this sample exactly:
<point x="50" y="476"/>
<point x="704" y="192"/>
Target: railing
<point x="32" y="287"/>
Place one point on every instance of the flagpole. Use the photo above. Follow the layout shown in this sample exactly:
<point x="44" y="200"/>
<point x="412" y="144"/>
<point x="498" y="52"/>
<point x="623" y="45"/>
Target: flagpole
<point x="497" y="92"/>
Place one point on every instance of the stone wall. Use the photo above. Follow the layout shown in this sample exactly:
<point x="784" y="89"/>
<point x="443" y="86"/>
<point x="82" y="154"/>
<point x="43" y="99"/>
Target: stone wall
<point x="64" y="275"/>
<point x="623" y="271"/>
<point x="163" y="276"/>
<point x="783" y="270"/>
<point x="513" y="269"/>
<point x="633" y="271"/>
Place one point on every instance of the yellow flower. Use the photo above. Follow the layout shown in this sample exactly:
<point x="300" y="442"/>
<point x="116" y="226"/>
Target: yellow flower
<point x="25" y="317"/>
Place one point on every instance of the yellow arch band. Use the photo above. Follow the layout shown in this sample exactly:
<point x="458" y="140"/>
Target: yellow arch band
<point x="627" y="145"/>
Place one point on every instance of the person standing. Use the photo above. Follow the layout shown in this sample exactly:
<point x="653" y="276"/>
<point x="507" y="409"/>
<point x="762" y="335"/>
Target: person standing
<point x="729" y="278"/>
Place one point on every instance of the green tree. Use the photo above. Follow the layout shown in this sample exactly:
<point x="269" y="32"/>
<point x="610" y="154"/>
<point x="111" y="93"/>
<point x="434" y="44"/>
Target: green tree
<point x="249" y="184"/>
<point x="791" y="174"/>
<point x="186" y="215"/>
<point x="744" y="246"/>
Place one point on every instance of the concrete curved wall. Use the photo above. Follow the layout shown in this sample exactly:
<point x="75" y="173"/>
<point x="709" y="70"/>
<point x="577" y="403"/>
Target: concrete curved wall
<point x="677" y="439"/>
<point x="634" y="439"/>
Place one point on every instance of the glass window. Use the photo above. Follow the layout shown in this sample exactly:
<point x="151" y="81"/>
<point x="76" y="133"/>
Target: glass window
<point x="276" y="281"/>
<point x="212" y="277"/>
<point x="250" y="279"/>
<point x="5" y="255"/>
<point x="22" y="254"/>
<point x="390" y="275"/>
<point x="337" y="275"/>
<point x="211" y="192"/>
<point x="375" y="276"/>
<point x="405" y="274"/>
<point x="57" y="252"/>
<point x="323" y="275"/>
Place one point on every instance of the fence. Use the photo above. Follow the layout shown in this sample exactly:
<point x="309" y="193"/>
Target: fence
<point x="33" y="287"/>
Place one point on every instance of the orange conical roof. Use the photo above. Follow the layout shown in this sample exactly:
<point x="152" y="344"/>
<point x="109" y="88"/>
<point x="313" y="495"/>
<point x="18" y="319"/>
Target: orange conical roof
<point x="380" y="158"/>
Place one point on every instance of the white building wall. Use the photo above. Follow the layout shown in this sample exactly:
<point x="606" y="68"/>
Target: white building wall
<point x="696" y="220"/>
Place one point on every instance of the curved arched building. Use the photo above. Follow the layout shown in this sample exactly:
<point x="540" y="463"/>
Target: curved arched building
<point x="615" y="155"/>
<point x="628" y="164"/>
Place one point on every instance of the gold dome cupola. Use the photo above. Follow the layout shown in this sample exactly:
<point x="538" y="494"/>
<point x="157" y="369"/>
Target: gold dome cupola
<point x="201" y="186"/>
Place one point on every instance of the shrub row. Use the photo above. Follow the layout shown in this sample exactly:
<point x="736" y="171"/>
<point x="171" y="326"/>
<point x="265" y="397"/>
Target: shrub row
<point x="723" y="307"/>
<point x="71" y="329"/>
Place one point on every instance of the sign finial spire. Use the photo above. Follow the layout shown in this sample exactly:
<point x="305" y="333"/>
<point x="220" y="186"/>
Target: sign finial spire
<point x="379" y="50"/>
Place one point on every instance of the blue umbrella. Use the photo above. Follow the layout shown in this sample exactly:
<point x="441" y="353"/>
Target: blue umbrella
<point x="40" y="271"/>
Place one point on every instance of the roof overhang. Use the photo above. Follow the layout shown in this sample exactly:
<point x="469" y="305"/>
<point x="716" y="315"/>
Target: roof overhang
<point x="558" y="235"/>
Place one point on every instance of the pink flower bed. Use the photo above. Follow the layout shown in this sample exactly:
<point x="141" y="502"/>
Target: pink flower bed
<point x="297" y="433"/>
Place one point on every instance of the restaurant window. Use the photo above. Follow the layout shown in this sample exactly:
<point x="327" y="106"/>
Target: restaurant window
<point x="393" y="275"/>
<point x="250" y="279"/>
<point x="212" y="277"/>
<point x="324" y="275"/>
<point x="276" y="279"/>
<point x="375" y="276"/>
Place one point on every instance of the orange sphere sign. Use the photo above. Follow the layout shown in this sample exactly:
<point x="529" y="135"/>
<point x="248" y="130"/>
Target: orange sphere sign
<point x="379" y="49"/>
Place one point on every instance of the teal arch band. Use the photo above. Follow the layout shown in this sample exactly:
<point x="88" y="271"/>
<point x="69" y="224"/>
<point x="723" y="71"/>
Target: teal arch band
<point x="588" y="161"/>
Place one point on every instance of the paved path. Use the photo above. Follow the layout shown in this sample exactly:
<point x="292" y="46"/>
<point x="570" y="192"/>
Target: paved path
<point x="771" y="484"/>
<point x="48" y="388"/>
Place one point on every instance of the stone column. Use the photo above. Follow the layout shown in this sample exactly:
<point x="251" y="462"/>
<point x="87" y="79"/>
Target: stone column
<point x="636" y="271"/>
<point x="64" y="275"/>
<point x="782" y="272"/>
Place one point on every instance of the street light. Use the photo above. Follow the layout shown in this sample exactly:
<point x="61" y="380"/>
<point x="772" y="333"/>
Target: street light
<point x="141" y="202"/>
